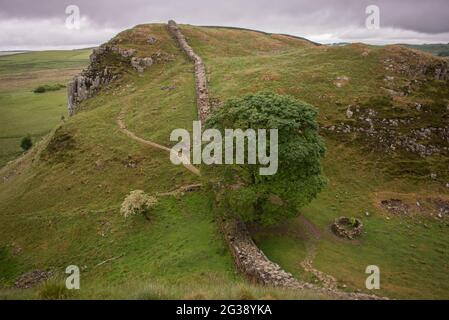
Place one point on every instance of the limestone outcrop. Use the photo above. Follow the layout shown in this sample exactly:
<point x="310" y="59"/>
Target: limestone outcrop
<point x="100" y="74"/>
<point x="413" y="63"/>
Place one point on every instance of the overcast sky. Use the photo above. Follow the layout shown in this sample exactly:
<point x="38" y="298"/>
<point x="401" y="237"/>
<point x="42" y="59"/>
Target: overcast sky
<point x="28" y="24"/>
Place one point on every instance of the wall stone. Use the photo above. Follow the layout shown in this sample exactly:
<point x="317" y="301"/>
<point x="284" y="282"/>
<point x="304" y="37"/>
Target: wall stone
<point x="202" y="92"/>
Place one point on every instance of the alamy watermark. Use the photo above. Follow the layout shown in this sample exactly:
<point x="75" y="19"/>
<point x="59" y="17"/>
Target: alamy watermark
<point x="373" y="280"/>
<point x="73" y="19"/>
<point x="72" y="282"/>
<point x="372" y="21"/>
<point x="229" y="149"/>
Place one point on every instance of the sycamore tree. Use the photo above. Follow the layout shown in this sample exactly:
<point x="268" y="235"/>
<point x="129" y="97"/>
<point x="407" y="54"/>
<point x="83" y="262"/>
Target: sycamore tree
<point x="267" y="199"/>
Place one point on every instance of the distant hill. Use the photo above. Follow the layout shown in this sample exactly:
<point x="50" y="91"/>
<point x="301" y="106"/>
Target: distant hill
<point x="440" y="49"/>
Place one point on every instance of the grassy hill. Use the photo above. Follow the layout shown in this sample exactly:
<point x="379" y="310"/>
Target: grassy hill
<point x="59" y="204"/>
<point x="24" y="112"/>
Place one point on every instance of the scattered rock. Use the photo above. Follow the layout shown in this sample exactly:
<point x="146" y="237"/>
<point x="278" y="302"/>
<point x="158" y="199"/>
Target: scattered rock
<point x="131" y="162"/>
<point x="442" y="206"/>
<point x="32" y="278"/>
<point x="341" y="81"/>
<point x="349" y="113"/>
<point x="395" y="206"/>
<point x="169" y="88"/>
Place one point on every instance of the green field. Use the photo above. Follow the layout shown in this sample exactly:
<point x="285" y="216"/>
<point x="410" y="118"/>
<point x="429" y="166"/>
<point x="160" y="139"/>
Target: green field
<point x="60" y="202"/>
<point x="439" y="49"/>
<point x="24" y="112"/>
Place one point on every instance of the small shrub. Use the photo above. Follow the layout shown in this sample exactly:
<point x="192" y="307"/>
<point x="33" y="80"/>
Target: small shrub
<point x="137" y="202"/>
<point x="48" y="87"/>
<point x="26" y="143"/>
<point x="40" y="89"/>
<point x="352" y="222"/>
<point x="53" y="290"/>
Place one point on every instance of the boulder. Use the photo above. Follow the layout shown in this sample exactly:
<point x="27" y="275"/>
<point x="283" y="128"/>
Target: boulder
<point x="140" y="64"/>
<point x="151" y="40"/>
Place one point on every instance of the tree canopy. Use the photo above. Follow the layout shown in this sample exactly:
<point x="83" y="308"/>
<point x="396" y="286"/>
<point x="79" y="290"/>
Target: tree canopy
<point x="269" y="199"/>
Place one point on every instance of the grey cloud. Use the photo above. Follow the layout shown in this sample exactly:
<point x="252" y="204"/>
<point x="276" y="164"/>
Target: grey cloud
<point x="428" y="19"/>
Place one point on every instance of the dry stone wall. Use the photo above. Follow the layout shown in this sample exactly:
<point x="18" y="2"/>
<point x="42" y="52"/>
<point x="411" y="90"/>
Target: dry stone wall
<point x="202" y="92"/>
<point x="250" y="260"/>
<point x="98" y="74"/>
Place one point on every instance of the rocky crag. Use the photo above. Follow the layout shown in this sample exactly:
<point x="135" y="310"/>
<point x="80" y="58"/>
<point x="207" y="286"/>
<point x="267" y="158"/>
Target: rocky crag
<point x="100" y="72"/>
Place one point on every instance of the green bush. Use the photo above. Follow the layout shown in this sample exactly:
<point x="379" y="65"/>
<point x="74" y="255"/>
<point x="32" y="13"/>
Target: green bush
<point x="48" y="87"/>
<point x="269" y="199"/>
<point x="53" y="290"/>
<point x="26" y="143"/>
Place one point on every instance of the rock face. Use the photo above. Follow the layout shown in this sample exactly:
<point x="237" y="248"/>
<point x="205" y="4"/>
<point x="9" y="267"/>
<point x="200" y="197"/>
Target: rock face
<point x="32" y="278"/>
<point x="86" y="85"/>
<point x="416" y="64"/>
<point x="140" y="64"/>
<point x="391" y="135"/>
<point x="99" y="74"/>
<point x="200" y="71"/>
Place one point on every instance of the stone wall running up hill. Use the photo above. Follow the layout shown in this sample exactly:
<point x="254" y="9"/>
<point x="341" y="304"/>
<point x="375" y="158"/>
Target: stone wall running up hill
<point x="202" y="92"/>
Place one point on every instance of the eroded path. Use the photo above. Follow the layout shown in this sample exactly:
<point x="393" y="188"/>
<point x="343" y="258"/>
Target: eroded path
<point x="124" y="129"/>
